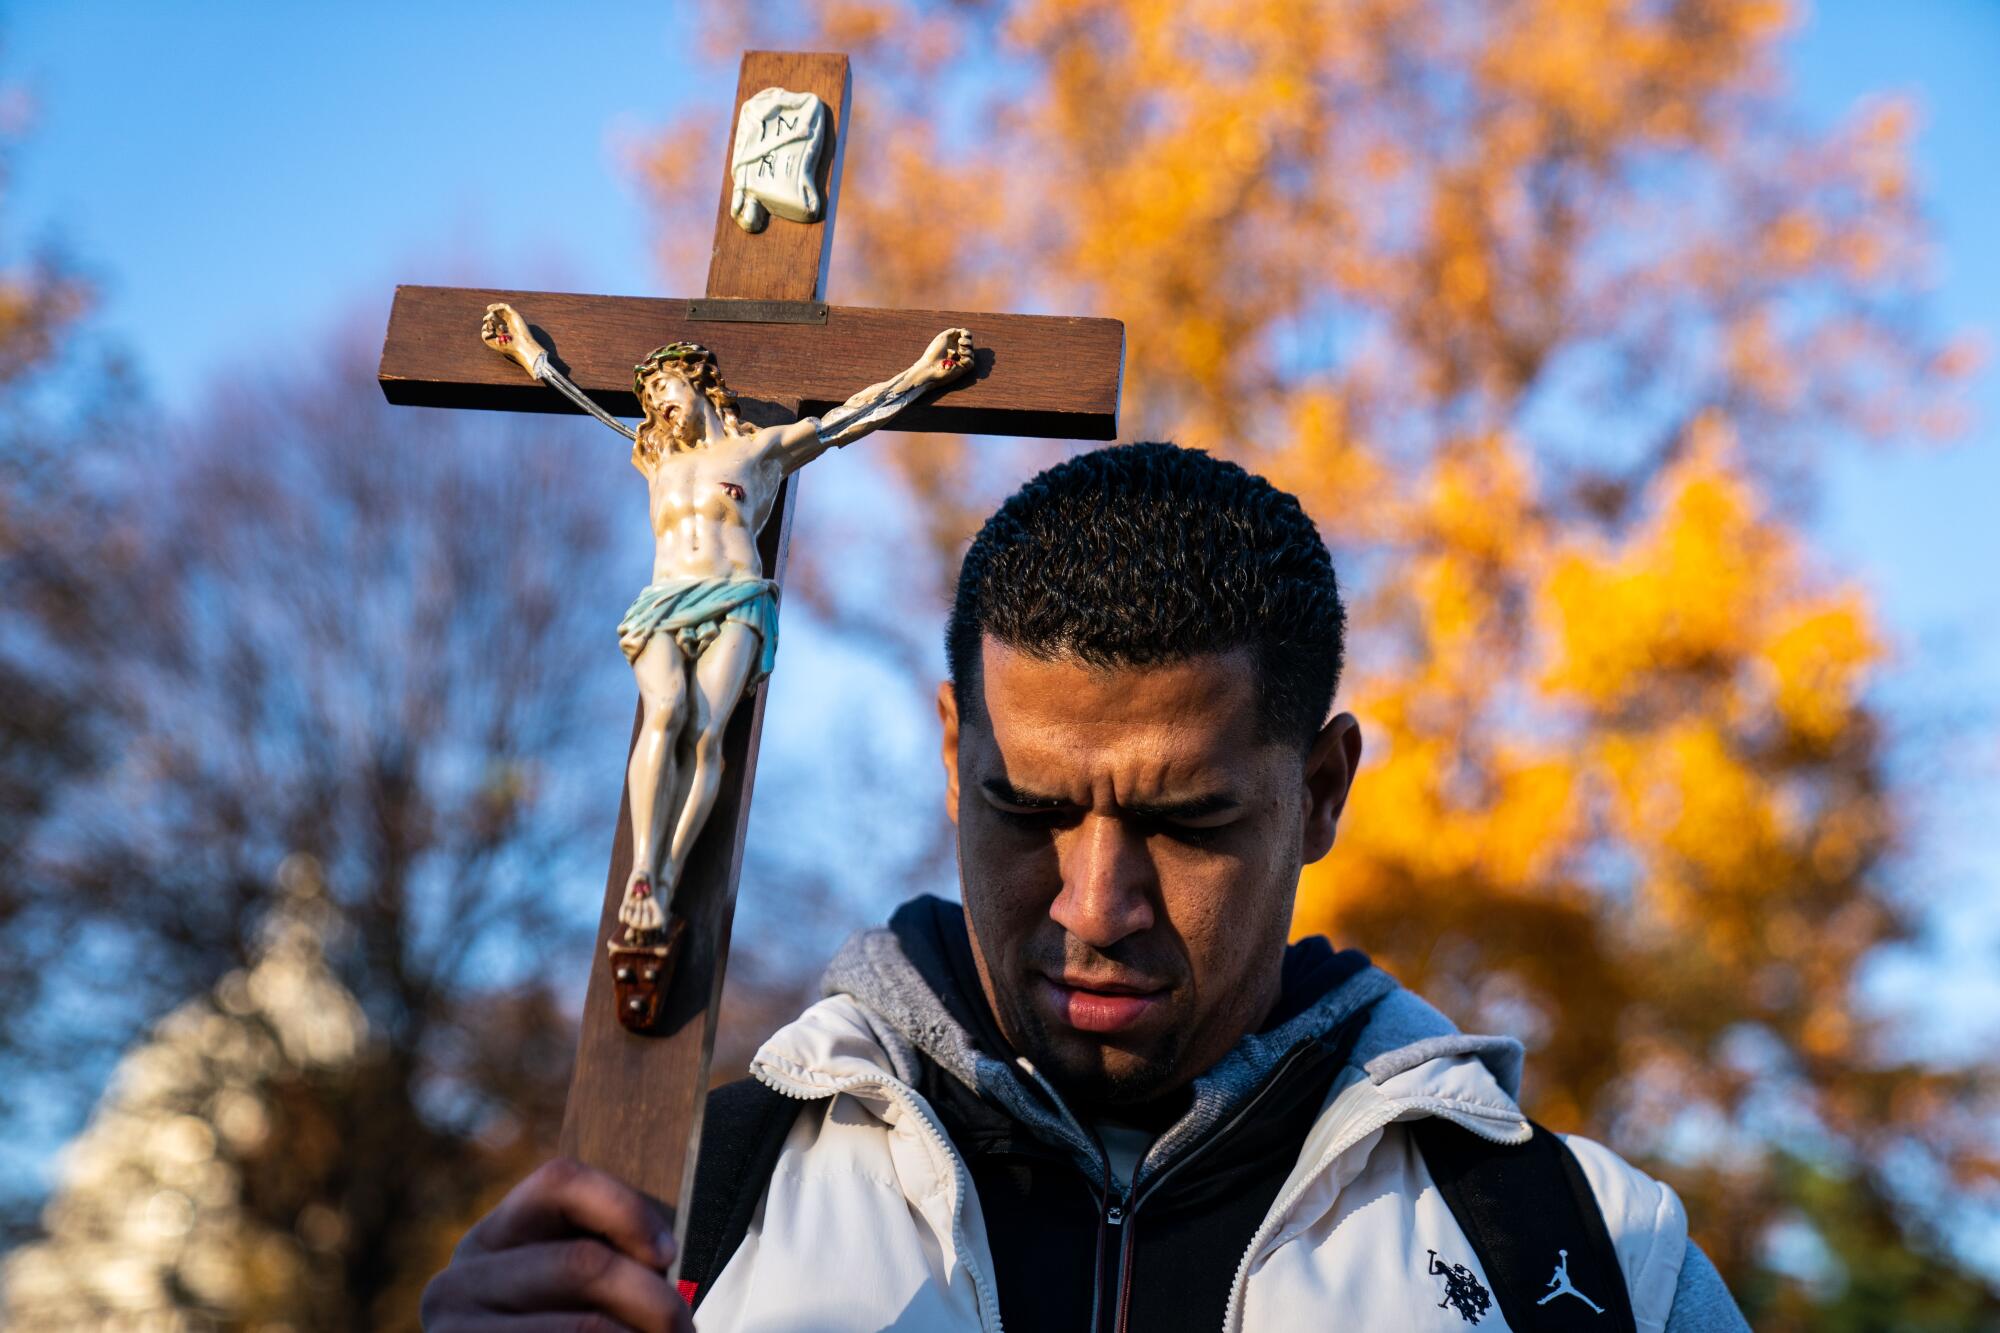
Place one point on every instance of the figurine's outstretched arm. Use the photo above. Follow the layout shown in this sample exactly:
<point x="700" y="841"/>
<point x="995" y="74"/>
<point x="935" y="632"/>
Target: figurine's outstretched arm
<point x="948" y="357"/>
<point x="506" y="332"/>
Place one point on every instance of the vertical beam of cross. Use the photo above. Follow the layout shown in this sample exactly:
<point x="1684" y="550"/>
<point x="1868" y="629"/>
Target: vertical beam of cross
<point x="635" y="1102"/>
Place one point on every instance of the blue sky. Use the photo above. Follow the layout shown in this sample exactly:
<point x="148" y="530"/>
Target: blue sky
<point x="1918" y="526"/>
<point x="242" y="176"/>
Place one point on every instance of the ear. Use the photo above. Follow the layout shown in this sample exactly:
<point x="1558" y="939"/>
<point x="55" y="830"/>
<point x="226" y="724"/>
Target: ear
<point x="947" y="706"/>
<point x="1329" y="775"/>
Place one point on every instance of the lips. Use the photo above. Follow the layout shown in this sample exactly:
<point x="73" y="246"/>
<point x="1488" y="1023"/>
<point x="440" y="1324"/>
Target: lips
<point x="1101" y="1006"/>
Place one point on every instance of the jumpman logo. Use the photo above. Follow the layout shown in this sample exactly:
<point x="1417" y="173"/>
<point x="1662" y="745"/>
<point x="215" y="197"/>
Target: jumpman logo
<point x="1562" y="1287"/>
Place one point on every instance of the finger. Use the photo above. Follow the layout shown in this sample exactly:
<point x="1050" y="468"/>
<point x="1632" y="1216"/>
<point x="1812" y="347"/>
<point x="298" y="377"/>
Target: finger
<point x="563" y="1197"/>
<point x="552" y="1322"/>
<point x="473" y="1319"/>
<point x="572" y="1275"/>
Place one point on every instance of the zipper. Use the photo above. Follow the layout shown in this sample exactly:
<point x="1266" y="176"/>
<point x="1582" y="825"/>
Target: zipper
<point x="1075" y="1126"/>
<point x="1107" y="1217"/>
<point x="1110" y="1216"/>
<point x="1232" y="1315"/>
<point x="1381" y="1116"/>
<point x="1341" y="1039"/>
<point x="988" y="1297"/>
<point x="1125" y="1267"/>
<point x="1126" y="1216"/>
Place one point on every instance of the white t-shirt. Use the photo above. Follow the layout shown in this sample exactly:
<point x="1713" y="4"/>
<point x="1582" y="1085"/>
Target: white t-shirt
<point x="1125" y="1146"/>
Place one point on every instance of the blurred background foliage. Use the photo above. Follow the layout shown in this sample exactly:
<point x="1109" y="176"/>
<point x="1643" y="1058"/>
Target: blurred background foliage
<point x="1548" y="310"/>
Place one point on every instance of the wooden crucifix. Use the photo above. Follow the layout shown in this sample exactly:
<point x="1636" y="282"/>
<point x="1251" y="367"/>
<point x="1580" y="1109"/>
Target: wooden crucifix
<point x="636" y="1098"/>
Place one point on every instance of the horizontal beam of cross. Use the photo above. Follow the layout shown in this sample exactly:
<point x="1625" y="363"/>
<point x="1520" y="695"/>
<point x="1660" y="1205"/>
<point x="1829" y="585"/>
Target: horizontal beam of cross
<point x="1043" y="375"/>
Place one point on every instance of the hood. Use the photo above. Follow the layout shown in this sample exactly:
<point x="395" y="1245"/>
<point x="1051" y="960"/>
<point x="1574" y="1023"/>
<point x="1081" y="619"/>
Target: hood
<point x="916" y="982"/>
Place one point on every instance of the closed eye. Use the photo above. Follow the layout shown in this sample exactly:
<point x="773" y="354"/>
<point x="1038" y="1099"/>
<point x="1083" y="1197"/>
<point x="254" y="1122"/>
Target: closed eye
<point x="1029" y="819"/>
<point x="1199" y="822"/>
<point x="1194" y="835"/>
<point x="1049" y="818"/>
<point x="1007" y="801"/>
<point x="1032" y="813"/>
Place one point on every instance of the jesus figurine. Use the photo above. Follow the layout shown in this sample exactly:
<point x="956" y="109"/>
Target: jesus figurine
<point x="705" y="630"/>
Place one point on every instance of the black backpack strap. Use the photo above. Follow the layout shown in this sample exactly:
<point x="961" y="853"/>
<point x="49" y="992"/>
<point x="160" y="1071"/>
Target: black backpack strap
<point x="742" y="1132"/>
<point x="1536" y="1227"/>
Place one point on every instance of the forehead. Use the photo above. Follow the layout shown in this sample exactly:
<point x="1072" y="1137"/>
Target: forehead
<point x="1147" y="729"/>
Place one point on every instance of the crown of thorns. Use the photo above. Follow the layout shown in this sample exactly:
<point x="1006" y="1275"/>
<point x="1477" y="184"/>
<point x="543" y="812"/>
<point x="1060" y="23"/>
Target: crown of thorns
<point x="688" y="355"/>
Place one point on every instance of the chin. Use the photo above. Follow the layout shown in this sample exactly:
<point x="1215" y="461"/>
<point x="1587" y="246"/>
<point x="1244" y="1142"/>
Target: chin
<point x="1126" y="1082"/>
<point x="1087" y="1070"/>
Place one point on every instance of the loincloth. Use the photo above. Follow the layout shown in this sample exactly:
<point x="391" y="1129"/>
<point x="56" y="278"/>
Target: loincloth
<point x="694" y="611"/>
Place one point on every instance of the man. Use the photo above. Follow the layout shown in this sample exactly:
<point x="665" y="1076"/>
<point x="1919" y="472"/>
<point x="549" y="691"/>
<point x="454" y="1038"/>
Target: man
<point x="1107" y="1095"/>
<point x="706" y="628"/>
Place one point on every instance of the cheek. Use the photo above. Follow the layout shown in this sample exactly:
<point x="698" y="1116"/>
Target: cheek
<point x="1208" y="900"/>
<point x="1230" y="908"/>
<point x="1008" y="877"/>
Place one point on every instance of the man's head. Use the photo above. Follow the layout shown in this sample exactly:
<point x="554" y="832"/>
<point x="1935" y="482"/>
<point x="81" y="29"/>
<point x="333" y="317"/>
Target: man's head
<point x="1143" y="651"/>
<point x="667" y="381"/>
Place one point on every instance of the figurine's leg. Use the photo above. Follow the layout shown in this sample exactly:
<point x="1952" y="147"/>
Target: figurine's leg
<point x="676" y="802"/>
<point x="651" y="779"/>
<point x="719" y="677"/>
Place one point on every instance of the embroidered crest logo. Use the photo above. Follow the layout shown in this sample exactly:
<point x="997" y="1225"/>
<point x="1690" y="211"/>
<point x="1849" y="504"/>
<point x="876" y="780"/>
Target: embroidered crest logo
<point x="1462" y="1291"/>
<point x="1560" y="1283"/>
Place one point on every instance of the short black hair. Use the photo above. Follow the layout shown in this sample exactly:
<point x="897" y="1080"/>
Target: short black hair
<point x="1144" y="554"/>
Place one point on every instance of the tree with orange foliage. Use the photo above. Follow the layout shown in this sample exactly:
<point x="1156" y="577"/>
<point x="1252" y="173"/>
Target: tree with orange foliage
<point x="1548" y="313"/>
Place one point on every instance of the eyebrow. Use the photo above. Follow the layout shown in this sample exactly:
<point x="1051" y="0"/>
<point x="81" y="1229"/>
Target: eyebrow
<point x="1195" y="807"/>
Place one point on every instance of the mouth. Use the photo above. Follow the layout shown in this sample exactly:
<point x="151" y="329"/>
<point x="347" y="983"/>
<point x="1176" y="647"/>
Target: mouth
<point x="1101" y="1004"/>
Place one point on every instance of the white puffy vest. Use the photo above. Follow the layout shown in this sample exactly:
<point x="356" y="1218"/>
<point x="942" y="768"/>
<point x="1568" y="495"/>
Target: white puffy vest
<point x="870" y="1220"/>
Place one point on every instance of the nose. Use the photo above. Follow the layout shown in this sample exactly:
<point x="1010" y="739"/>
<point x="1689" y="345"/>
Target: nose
<point x="1108" y="882"/>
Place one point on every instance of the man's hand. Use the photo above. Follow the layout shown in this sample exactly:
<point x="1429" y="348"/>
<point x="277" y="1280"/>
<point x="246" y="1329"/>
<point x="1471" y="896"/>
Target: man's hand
<point x="506" y="332"/>
<point x="568" y="1248"/>
<point x="948" y="357"/>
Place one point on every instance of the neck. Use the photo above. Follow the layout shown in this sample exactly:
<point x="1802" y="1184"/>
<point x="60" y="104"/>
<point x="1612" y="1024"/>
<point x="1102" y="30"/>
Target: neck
<point x="707" y="422"/>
